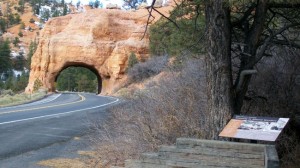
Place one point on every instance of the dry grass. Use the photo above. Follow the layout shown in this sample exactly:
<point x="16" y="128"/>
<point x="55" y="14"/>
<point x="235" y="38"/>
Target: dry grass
<point x="63" y="163"/>
<point x="86" y="160"/>
<point x="165" y="110"/>
<point x="21" y="98"/>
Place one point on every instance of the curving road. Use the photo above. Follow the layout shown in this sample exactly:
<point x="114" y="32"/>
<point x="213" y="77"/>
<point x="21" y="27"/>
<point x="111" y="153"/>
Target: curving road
<point x="57" y="118"/>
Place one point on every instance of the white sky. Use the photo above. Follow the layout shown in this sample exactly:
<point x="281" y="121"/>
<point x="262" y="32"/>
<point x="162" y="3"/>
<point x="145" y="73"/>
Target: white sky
<point x="86" y="2"/>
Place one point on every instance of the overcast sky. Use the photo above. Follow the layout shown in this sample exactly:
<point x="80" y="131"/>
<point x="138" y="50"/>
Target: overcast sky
<point x="86" y="2"/>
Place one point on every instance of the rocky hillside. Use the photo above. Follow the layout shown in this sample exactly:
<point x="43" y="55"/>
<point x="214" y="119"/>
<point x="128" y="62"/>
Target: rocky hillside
<point x="29" y="30"/>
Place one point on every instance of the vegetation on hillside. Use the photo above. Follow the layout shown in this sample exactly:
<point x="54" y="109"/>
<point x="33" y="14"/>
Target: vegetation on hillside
<point x="172" y="107"/>
<point x="9" y="80"/>
<point x="9" y="98"/>
<point x="14" y="69"/>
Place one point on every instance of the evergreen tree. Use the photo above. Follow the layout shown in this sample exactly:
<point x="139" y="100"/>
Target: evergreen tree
<point x="5" y="60"/>
<point x="21" y="82"/>
<point x="132" y="60"/>
<point x="97" y="3"/>
<point x="11" y="19"/>
<point x="1" y="85"/>
<point x="2" y="25"/>
<point x="17" y="19"/>
<point x="36" y="5"/>
<point x="55" y="13"/>
<point x="46" y="15"/>
<point x="78" y="4"/>
<point x="32" y="48"/>
<point x="16" y="41"/>
<point x="65" y="10"/>
<point x="18" y="63"/>
<point x="91" y="4"/>
<point x="77" y="79"/>
<point x="21" y="6"/>
<point x="9" y="82"/>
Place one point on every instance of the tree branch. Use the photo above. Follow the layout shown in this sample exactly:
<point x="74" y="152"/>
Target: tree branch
<point x="150" y="9"/>
<point x="148" y="20"/>
<point x="266" y="43"/>
<point x="285" y="16"/>
<point x="286" y="43"/>
<point x="166" y="17"/>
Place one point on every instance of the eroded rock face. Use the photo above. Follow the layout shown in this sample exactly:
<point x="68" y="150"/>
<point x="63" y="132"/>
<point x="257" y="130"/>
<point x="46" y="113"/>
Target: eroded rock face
<point x="100" y="40"/>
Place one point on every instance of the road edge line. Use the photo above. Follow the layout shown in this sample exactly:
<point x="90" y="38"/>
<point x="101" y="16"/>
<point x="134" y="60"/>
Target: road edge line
<point x="59" y="114"/>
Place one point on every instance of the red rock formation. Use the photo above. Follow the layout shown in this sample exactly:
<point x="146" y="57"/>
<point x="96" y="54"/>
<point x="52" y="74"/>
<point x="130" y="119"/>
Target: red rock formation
<point x="100" y="40"/>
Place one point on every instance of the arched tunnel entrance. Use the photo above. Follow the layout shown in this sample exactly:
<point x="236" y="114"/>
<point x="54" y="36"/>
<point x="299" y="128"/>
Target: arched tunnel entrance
<point x="78" y="77"/>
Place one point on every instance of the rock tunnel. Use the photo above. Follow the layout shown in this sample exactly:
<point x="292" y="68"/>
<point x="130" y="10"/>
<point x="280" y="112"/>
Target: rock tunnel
<point x="100" y="40"/>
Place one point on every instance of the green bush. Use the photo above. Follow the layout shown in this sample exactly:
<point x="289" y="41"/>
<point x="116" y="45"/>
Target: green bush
<point x="16" y="41"/>
<point x="20" y="34"/>
<point x="132" y="60"/>
<point x="22" y="26"/>
<point x="31" y="20"/>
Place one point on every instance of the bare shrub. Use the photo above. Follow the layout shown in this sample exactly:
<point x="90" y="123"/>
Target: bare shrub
<point x="144" y="70"/>
<point x="156" y="116"/>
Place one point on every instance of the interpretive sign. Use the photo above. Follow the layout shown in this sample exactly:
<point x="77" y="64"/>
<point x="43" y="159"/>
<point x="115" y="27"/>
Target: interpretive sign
<point x="254" y="128"/>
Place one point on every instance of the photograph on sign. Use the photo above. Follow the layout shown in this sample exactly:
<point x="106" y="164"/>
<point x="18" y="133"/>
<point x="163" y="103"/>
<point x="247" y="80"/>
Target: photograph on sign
<point x="254" y="128"/>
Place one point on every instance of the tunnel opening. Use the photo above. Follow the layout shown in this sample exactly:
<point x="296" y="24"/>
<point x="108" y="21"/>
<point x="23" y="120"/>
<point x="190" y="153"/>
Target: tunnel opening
<point x="78" y="78"/>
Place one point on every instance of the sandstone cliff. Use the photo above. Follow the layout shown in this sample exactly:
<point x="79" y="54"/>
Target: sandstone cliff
<point x="100" y="40"/>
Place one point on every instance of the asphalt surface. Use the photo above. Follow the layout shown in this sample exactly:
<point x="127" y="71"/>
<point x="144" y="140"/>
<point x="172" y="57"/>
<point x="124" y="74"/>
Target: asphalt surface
<point x="57" y="119"/>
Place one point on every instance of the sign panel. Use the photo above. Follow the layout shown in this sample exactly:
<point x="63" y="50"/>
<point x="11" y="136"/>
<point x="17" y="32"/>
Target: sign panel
<point x="254" y="128"/>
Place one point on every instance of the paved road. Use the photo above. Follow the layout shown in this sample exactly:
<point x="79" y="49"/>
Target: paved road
<point x="58" y="118"/>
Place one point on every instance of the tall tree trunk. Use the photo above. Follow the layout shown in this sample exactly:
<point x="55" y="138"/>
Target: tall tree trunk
<point x="218" y="65"/>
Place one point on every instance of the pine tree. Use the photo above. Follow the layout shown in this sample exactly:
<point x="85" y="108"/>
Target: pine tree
<point x="97" y="3"/>
<point x="132" y="60"/>
<point x="16" y="41"/>
<point x="21" y="82"/>
<point x="5" y="60"/>
<point x="2" y="25"/>
<point x="65" y="10"/>
<point x="18" y="62"/>
<point x="32" y="48"/>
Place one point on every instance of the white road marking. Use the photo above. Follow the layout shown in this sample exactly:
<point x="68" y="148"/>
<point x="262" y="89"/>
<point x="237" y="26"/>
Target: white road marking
<point x="50" y="135"/>
<point x="54" y="128"/>
<point x="38" y="108"/>
<point x="46" y="100"/>
<point x="50" y="98"/>
<point x="59" y="114"/>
